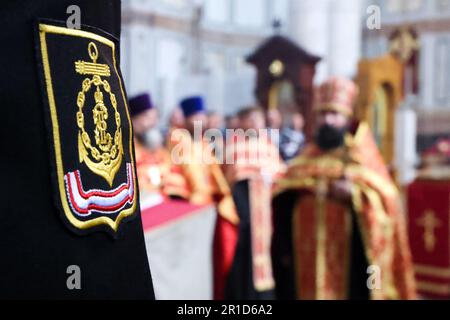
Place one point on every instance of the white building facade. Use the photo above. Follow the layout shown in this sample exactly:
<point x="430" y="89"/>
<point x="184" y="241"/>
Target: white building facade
<point x="171" y="49"/>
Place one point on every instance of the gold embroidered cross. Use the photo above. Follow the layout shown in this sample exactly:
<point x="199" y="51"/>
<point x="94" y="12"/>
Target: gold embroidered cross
<point x="429" y="222"/>
<point x="404" y="44"/>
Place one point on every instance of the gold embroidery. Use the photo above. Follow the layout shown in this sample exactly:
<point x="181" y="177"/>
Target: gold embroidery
<point x="304" y="176"/>
<point x="92" y="68"/>
<point x="321" y="260"/>
<point x="404" y="45"/>
<point x="435" y="288"/>
<point x="261" y="233"/>
<point x="433" y="271"/>
<point x="360" y="133"/>
<point x="43" y="31"/>
<point x="276" y="68"/>
<point x="430" y="223"/>
<point x="107" y="160"/>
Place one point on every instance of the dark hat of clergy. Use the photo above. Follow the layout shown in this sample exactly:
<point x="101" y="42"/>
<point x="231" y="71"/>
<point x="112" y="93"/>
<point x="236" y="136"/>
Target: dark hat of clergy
<point x="140" y="103"/>
<point x="192" y="105"/>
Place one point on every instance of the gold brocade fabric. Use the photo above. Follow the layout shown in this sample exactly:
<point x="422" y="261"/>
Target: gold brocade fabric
<point x="205" y="182"/>
<point x="252" y="157"/>
<point x="153" y="168"/>
<point x="322" y="228"/>
<point x="258" y="161"/>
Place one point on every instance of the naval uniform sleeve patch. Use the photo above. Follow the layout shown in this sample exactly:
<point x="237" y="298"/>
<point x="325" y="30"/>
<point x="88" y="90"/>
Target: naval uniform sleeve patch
<point x="89" y="128"/>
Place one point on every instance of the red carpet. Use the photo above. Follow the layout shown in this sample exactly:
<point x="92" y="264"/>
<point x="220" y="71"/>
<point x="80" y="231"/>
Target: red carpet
<point x="167" y="212"/>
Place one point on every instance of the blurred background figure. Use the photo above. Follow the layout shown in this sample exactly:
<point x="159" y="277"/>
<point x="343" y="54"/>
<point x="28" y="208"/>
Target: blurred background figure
<point x="251" y="118"/>
<point x="326" y="205"/>
<point x="207" y="185"/>
<point x="144" y="117"/>
<point x="292" y="137"/>
<point x="256" y="165"/>
<point x="198" y="164"/>
<point x="274" y="119"/>
<point x="195" y="116"/>
<point x="152" y="158"/>
<point x="216" y="136"/>
<point x="176" y="119"/>
<point x="215" y="120"/>
<point x="274" y="125"/>
<point x="232" y="122"/>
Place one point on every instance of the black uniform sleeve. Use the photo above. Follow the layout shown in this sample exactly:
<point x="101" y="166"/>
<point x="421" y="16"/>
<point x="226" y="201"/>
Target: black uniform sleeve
<point x="36" y="248"/>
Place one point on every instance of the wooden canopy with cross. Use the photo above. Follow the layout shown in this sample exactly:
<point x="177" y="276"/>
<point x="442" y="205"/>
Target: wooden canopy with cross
<point x="285" y="74"/>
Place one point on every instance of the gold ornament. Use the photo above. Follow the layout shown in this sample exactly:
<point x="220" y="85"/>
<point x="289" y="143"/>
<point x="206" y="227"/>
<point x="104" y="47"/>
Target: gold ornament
<point x="103" y="158"/>
<point x="404" y="44"/>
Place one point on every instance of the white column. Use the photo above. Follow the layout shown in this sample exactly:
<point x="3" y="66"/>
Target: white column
<point x="345" y="31"/>
<point x="330" y="29"/>
<point x="405" y="144"/>
<point x="309" y="27"/>
<point x="140" y="57"/>
<point x="429" y="73"/>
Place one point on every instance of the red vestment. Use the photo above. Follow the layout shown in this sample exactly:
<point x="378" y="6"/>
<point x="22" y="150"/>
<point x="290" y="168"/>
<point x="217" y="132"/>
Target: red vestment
<point x="321" y="227"/>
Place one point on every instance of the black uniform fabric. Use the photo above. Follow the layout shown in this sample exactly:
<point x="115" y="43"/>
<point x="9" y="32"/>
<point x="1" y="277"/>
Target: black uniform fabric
<point x="93" y="180"/>
<point x="282" y="253"/>
<point x="239" y="284"/>
<point x="37" y="247"/>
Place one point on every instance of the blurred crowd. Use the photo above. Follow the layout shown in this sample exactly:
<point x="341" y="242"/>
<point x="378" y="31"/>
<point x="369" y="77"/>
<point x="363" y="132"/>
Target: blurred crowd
<point x="153" y="139"/>
<point x="295" y="218"/>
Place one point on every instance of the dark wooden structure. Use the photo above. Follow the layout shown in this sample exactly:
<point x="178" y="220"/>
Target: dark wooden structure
<point x="280" y="61"/>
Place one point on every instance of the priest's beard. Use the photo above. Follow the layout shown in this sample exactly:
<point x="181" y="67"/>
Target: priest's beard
<point x="152" y="139"/>
<point x="329" y="137"/>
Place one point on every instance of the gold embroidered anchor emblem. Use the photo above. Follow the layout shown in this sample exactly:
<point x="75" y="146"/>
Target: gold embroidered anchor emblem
<point x="103" y="158"/>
